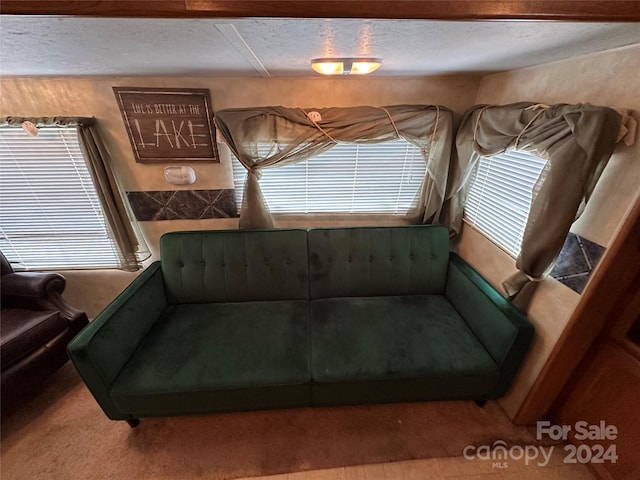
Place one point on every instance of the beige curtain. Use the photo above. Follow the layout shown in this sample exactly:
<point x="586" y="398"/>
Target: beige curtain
<point x="577" y="140"/>
<point x="290" y="135"/>
<point x="131" y="246"/>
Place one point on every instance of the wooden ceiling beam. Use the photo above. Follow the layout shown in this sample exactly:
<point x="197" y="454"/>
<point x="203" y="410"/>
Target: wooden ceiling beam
<point x="569" y="10"/>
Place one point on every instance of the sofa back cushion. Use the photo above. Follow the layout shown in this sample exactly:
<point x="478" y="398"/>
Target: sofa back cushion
<point x="235" y="265"/>
<point x="374" y="261"/>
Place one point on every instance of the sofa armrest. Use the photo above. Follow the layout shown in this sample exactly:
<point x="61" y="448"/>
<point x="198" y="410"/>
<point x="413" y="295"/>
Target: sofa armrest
<point x="102" y="348"/>
<point x="502" y="328"/>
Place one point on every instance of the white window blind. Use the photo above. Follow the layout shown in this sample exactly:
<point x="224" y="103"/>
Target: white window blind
<point x="500" y="198"/>
<point x="50" y="215"/>
<point x="349" y="178"/>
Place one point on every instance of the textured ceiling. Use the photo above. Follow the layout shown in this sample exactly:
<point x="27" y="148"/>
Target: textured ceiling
<point x="284" y="47"/>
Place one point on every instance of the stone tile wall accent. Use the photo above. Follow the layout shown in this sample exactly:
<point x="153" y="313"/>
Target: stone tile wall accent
<point x="576" y="262"/>
<point x="183" y="204"/>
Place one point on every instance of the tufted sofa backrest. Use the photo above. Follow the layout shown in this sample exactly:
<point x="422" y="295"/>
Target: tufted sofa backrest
<point x="372" y="261"/>
<point x="235" y="265"/>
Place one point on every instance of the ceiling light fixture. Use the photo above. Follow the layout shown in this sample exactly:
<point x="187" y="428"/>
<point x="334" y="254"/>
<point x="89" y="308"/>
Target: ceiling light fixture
<point x="345" y="66"/>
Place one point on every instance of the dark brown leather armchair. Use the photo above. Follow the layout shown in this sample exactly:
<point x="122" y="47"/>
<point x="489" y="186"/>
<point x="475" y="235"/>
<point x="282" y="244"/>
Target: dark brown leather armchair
<point x="36" y="324"/>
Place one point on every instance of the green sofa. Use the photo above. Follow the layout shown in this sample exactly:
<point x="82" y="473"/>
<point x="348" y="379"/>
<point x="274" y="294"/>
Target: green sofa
<point x="256" y="319"/>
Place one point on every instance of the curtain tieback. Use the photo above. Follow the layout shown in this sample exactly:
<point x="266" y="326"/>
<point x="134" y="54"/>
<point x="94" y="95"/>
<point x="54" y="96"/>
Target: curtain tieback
<point x="435" y="127"/>
<point x="537" y="106"/>
<point x="319" y="127"/>
<point x="628" y="128"/>
<point x="514" y="284"/>
<point x="392" y="122"/>
<point x="475" y="128"/>
<point x="255" y="171"/>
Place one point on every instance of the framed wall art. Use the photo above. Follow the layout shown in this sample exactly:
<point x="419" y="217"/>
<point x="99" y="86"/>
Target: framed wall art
<point x="168" y="124"/>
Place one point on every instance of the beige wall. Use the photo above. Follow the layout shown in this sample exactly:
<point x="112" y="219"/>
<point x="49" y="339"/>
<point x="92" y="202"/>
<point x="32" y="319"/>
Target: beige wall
<point x="93" y="290"/>
<point x="93" y="96"/>
<point x="609" y="78"/>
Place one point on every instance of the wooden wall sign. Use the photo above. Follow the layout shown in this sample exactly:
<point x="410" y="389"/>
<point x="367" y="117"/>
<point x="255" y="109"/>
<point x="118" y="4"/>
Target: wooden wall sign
<point x="168" y="124"/>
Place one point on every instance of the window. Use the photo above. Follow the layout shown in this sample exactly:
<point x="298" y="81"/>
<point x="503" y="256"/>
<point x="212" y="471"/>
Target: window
<point x="349" y="178"/>
<point x="500" y="197"/>
<point x="50" y="215"/>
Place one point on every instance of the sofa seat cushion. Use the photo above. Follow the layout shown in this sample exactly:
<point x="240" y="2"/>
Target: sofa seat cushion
<point x="219" y="357"/>
<point x="414" y="347"/>
<point x="24" y="331"/>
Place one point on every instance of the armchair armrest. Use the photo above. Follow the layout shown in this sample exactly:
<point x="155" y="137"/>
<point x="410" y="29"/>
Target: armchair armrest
<point x="502" y="328"/>
<point x="102" y="348"/>
<point x="40" y="291"/>
<point x="31" y="284"/>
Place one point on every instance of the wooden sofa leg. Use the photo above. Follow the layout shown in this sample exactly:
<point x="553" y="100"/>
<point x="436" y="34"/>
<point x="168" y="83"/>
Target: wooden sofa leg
<point x="480" y="403"/>
<point x="133" y="422"/>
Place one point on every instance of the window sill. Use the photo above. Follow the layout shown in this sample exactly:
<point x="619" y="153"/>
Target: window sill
<point x="337" y="219"/>
<point x="481" y="232"/>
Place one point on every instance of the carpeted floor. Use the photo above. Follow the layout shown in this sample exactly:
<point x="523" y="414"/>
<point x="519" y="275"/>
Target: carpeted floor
<point x="62" y="434"/>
